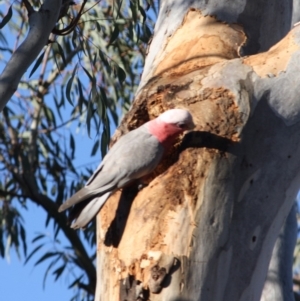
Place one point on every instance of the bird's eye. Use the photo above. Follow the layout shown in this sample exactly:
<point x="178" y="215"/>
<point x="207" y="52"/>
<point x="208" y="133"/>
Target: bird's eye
<point x="182" y="125"/>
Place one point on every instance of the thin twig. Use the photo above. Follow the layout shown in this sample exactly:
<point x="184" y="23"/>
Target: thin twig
<point x="46" y="131"/>
<point x="91" y="7"/>
<point x="18" y="36"/>
<point x="28" y="6"/>
<point x="72" y="25"/>
<point x="44" y="63"/>
<point x="4" y="193"/>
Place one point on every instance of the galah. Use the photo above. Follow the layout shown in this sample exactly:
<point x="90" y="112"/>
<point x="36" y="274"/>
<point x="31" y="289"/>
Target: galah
<point x="132" y="157"/>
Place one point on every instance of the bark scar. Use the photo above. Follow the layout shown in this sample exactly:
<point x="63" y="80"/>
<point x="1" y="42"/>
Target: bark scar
<point x="159" y="272"/>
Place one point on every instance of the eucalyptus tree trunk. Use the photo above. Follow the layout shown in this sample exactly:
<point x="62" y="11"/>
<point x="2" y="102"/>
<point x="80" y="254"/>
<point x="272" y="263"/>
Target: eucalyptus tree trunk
<point x="278" y="285"/>
<point x="205" y="226"/>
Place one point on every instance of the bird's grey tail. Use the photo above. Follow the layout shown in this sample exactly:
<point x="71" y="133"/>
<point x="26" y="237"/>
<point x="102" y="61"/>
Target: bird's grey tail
<point x="90" y="210"/>
<point x="85" y="193"/>
<point x="81" y="195"/>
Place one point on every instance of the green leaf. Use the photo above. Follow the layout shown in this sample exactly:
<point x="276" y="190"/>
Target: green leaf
<point x="114" y="35"/>
<point x="121" y="74"/>
<point x="1" y="243"/>
<point x="69" y="85"/>
<point x="89" y="116"/>
<point x="56" y="229"/>
<point x="7" y="17"/>
<point x="43" y="182"/>
<point x="74" y="38"/>
<point x="48" y="270"/>
<point x="95" y="59"/>
<point x="61" y="52"/>
<point x="130" y="30"/>
<point x="88" y="74"/>
<point x="100" y="106"/>
<point x="50" y="116"/>
<point x="105" y="61"/>
<point x="138" y="34"/>
<point x="62" y="98"/>
<point x="38" y="238"/>
<point x="37" y="63"/>
<point x="81" y="98"/>
<point x="119" y="5"/>
<point x="59" y="271"/>
<point x="76" y="281"/>
<point x="98" y="26"/>
<point x="57" y="108"/>
<point x="95" y="94"/>
<point x="9" y="183"/>
<point x="47" y="220"/>
<point x="133" y="11"/>
<point x="107" y="130"/>
<point x="142" y="13"/>
<point x="45" y="256"/>
<point x="23" y="237"/>
<point x="95" y="148"/>
<point x="53" y="190"/>
<point x="103" y="95"/>
<point x="72" y="145"/>
<point x="147" y="33"/>
<point x="33" y="252"/>
<point x="104" y="143"/>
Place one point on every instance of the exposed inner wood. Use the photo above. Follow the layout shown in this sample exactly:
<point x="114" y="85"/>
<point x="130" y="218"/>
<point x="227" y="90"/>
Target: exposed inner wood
<point x="276" y="59"/>
<point x="200" y="41"/>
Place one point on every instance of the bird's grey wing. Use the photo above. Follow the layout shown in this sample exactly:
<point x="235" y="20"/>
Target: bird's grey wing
<point x="134" y="155"/>
<point x="95" y="173"/>
<point x="90" y="211"/>
<point x="106" y="181"/>
<point x="137" y="154"/>
<point x="123" y="147"/>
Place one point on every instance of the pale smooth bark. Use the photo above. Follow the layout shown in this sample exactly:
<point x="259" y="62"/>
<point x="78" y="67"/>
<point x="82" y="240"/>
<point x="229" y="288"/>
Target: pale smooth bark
<point x="279" y="283"/>
<point x="265" y="23"/>
<point x="296" y="12"/>
<point x="41" y="24"/>
<point x="205" y="227"/>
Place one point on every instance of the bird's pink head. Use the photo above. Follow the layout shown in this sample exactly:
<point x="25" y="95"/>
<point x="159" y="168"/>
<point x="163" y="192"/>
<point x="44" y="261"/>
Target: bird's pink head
<point x="170" y="124"/>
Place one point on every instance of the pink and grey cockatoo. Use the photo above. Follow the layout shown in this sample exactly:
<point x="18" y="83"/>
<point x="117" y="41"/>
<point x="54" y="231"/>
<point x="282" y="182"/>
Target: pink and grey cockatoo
<point x="132" y="157"/>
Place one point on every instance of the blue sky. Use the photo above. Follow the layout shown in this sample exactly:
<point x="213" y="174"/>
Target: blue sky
<point x="25" y="282"/>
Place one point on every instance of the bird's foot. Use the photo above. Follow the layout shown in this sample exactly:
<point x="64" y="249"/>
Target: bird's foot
<point x="141" y="185"/>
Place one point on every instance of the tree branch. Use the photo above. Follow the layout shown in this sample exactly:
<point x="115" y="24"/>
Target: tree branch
<point x="73" y="24"/>
<point x="4" y="193"/>
<point x="30" y="190"/>
<point x="41" y="24"/>
<point x="28" y="6"/>
<point x="51" y="207"/>
<point x="51" y="129"/>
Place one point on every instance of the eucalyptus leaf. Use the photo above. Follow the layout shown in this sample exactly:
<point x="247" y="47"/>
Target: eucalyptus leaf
<point x="69" y="85"/>
<point x="37" y="63"/>
<point x="7" y="17"/>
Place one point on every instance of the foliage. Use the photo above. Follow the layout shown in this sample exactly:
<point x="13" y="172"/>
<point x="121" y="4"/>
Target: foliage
<point x="83" y="80"/>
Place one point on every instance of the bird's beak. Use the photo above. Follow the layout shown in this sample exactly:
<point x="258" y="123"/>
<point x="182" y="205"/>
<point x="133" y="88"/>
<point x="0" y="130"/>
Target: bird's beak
<point x="191" y="126"/>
